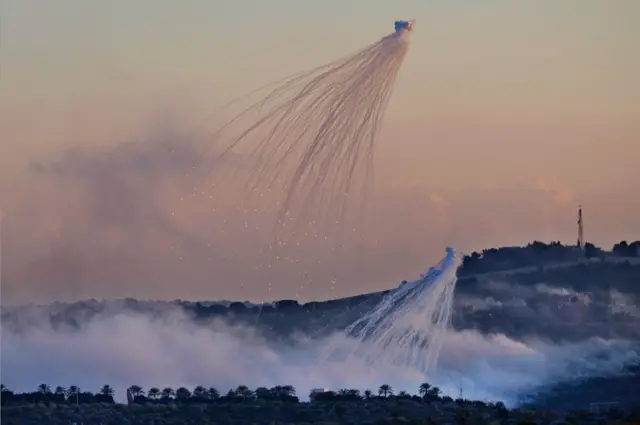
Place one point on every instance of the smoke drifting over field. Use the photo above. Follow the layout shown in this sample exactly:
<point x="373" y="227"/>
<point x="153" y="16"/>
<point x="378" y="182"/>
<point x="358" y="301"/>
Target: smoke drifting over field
<point x="165" y="346"/>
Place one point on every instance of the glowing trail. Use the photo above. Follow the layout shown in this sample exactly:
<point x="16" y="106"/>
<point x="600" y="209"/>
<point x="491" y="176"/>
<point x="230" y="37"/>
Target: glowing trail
<point x="313" y="140"/>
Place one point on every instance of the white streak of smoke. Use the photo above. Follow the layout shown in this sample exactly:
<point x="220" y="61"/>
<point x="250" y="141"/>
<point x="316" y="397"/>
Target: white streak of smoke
<point x="314" y="136"/>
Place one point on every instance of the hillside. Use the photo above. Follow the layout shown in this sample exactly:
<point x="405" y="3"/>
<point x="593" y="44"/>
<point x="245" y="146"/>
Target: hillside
<point x="541" y="291"/>
<point x="550" y="290"/>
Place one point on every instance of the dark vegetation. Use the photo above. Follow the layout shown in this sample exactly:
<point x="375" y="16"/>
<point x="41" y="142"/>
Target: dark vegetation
<point x="277" y="405"/>
<point x="541" y="254"/>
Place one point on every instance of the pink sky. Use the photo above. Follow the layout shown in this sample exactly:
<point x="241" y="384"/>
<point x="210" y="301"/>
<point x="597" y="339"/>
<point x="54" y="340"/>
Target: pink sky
<point x="506" y="116"/>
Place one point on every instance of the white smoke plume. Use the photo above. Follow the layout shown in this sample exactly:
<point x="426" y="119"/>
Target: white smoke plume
<point x="313" y="139"/>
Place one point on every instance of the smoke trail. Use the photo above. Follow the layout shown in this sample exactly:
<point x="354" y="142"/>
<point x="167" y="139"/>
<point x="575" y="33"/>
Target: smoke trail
<point x="406" y="328"/>
<point x="314" y="145"/>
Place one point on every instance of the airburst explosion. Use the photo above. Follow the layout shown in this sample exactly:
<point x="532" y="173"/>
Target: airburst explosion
<point x="314" y="138"/>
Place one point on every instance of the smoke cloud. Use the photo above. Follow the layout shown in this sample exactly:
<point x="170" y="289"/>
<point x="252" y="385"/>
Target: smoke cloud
<point x="122" y="348"/>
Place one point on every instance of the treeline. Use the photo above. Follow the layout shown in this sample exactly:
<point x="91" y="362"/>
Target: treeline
<point x="242" y="394"/>
<point x="59" y="395"/>
<point x="625" y="249"/>
<point x="277" y="405"/>
<point x="539" y="253"/>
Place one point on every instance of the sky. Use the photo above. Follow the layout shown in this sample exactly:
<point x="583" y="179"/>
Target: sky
<point x="505" y="117"/>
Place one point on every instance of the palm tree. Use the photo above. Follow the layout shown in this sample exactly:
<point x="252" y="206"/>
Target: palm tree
<point x="135" y="391"/>
<point x="153" y="393"/>
<point x="385" y="390"/>
<point x="60" y="391"/>
<point x="435" y="392"/>
<point x="424" y="389"/>
<point x="168" y="392"/>
<point x="107" y="391"/>
<point x="44" y="389"/>
<point x="368" y="394"/>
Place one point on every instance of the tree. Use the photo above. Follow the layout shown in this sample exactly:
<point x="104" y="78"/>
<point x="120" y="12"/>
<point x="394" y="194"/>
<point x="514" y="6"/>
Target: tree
<point x="354" y="393"/>
<point x="167" y="393"/>
<point x="283" y="391"/>
<point x="625" y="249"/>
<point x="590" y="250"/>
<point x="621" y="248"/>
<point x="434" y="392"/>
<point x="200" y="392"/>
<point x="135" y="391"/>
<point x="72" y="393"/>
<point x="263" y="393"/>
<point x="244" y="392"/>
<point x="153" y="393"/>
<point x="107" y="391"/>
<point x="44" y="389"/>
<point x="385" y="390"/>
<point x="349" y="394"/>
<point x="213" y="393"/>
<point x="368" y="394"/>
<point x="424" y="388"/>
<point x="288" y="390"/>
<point x="182" y="394"/>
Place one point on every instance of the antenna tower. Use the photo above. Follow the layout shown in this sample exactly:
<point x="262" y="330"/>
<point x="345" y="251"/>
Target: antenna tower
<point x="580" y="228"/>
